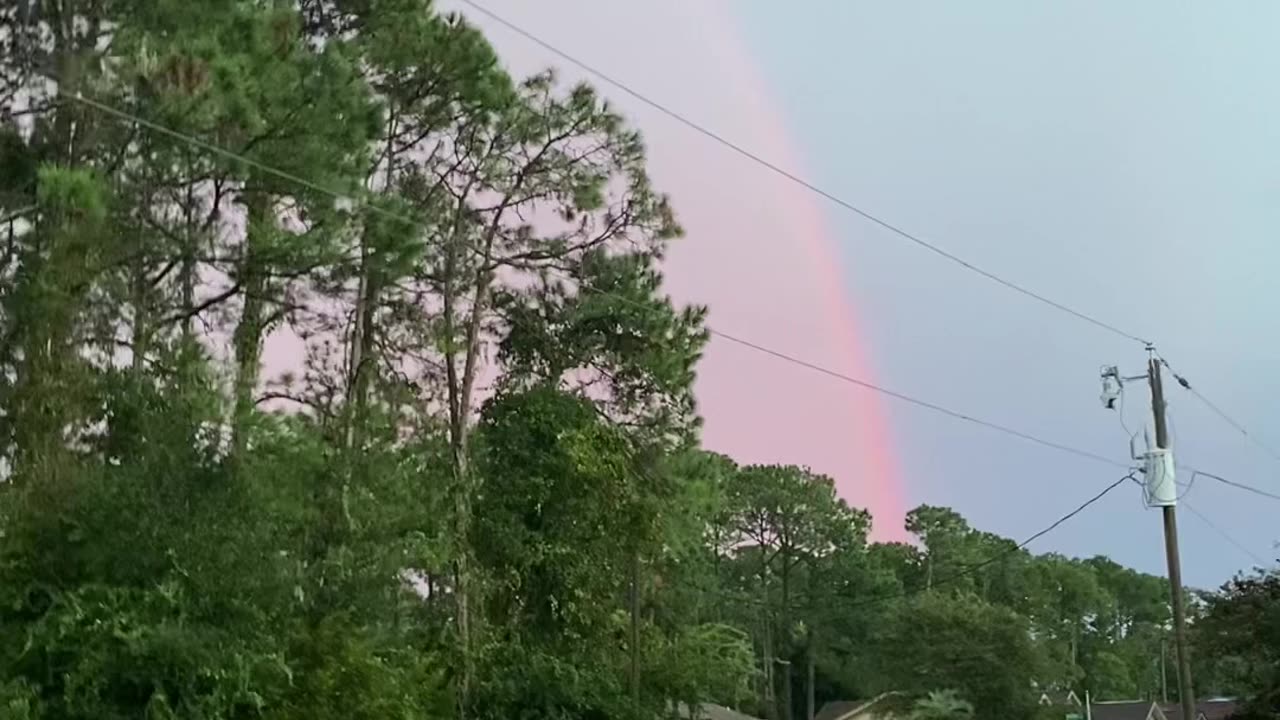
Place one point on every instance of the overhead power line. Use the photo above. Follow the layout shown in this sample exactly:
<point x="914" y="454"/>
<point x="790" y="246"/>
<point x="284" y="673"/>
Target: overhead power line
<point x="772" y="352"/>
<point x="971" y="569"/>
<point x="341" y="196"/>
<point x="850" y="603"/>
<point x="897" y="230"/>
<point x="806" y="184"/>
<point x="1239" y="427"/>
<point x="228" y="154"/>
<point x="919" y="402"/>
<point x="1238" y="485"/>
<point x="1226" y="536"/>
<point x="303" y="182"/>
<point x="1205" y="519"/>
<point x="851" y="207"/>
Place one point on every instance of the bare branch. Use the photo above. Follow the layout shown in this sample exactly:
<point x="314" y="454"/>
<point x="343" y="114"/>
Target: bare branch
<point x="273" y="395"/>
<point x="210" y="302"/>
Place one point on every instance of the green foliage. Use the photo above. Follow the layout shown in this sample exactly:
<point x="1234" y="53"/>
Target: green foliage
<point x="942" y="705"/>
<point x="480" y="490"/>
<point x="68" y="192"/>
<point x="703" y="663"/>
<point x="159" y="586"/>
<point x="556" y="514"/>
<point x="635" y="349"/>
<point x="983" y="651"/>
<point x="340" y="672"/>
<point x="1111" y="676"/>
<point x="1240" y="630"/>
<point x="19" y="165"/>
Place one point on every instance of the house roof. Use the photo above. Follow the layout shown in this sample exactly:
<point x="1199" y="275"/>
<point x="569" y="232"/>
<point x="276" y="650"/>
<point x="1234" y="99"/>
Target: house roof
<point x="842" y="709"/>
<point x="1067" y="698"/>
<point x="1205" y="710"/>
<point x="836" y="710"/>
<point x="1145" y="710"/>
<point x="1131" y="710"/>
<point x="707" y="711"/>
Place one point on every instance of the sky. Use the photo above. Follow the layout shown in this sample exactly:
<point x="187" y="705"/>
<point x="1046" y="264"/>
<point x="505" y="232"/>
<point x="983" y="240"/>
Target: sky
<point x="1120" y="158"/>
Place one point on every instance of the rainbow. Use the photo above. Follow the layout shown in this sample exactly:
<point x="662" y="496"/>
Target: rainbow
<point x="776" y="279"/>
<point x="759" y="251"/>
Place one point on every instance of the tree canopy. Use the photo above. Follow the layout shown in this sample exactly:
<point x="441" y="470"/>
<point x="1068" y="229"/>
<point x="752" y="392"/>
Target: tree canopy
<point x="337" y="380"/>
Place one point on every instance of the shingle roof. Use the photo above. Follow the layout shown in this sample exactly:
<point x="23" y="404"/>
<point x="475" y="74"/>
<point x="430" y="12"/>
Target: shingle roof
<point x="842" y="708"/>
<point x="1060" y="698"/>
<point x="1209" y="709"/>
<point x="1142" y="709"/>
<point x="1135" y="710"/>
<point x="707" y="711"/>
<point x="837" y="710"/>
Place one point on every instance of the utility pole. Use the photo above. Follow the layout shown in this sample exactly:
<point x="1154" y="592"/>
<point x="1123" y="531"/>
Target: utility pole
<point x="1186" y="695"/>
<point x="1164" y="677"/>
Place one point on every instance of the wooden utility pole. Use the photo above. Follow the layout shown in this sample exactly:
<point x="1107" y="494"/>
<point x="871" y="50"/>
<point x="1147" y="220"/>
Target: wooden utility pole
<point x="1164" y="676"/>
<point x="1186" y="695"/>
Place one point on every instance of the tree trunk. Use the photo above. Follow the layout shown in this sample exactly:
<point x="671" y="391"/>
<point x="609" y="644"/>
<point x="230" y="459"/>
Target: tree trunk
<point x="358" y="379"/>
<point x="187" y="278"/>
<point x="462" y="569"/>
<point x="361" y="350"/>
<point x="460" y="432"/>
<point x="458" y="462"/>
<point x="141" y="314"/>
<point x="810" y="695"/>
<point x="635" y="632"/>
<point x="788" y="696"/>
<point x="37" y="414"/>
<point x="362" y="334"/>
<point x="770" y="699"/>
<point x="766" y="620"/>
<point x="461" y="391"/>
<point x="40" y="326"/>
<point x="247" y="339"/>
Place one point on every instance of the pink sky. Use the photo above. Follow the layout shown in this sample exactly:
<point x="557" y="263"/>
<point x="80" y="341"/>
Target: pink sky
<point x="757" y="251"/>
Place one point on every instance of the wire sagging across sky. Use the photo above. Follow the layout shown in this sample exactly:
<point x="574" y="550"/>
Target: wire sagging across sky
<point x="968" y="570"/>
<point x="850" y="206"/>
<point x="1225" y="535"/>
<point x="742" y="342"/>
<point x="1235" y="484"/>
<point x="780" y="355"/>
<point x="971" y="569"/>
<point x="1239" y="427"/>
<point x="806" y="184"/>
